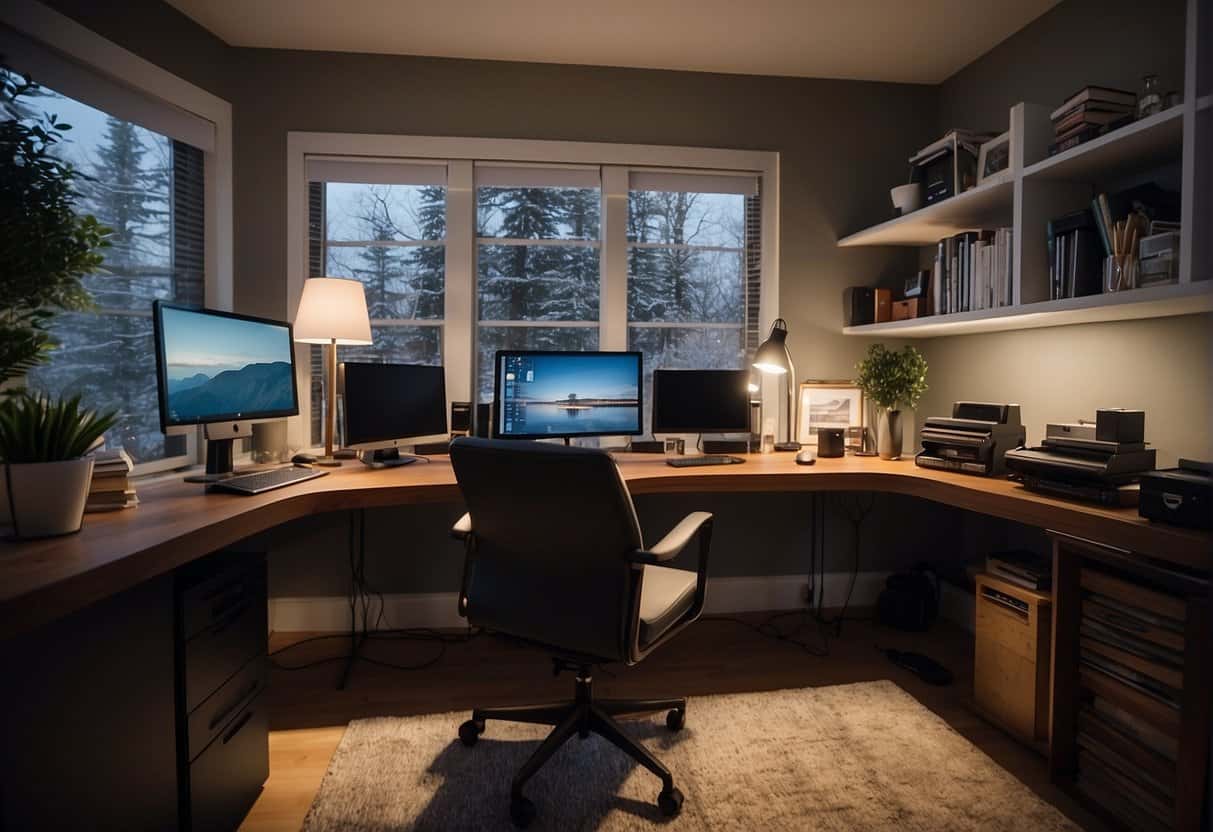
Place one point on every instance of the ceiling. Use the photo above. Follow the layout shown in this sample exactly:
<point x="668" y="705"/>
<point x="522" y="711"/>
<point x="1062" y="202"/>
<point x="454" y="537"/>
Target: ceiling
<point x="918" y="41"/>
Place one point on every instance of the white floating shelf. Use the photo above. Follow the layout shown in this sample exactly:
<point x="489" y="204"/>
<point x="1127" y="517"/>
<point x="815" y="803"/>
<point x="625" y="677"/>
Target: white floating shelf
<point x="1152" y="302"/>
<point x="1136" y="146"/>
<point x="980" y="207"/>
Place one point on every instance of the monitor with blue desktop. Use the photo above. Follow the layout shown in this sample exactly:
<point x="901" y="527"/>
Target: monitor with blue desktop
<point x="222" y="371"/>
<point x="563" y="395"/>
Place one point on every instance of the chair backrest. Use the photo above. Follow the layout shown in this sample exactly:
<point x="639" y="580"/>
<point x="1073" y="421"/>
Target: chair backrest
<point x="553" y="529"/>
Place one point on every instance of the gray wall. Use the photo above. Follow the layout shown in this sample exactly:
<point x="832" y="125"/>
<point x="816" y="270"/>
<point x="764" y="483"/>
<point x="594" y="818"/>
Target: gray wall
<point x="1062" y="373"/>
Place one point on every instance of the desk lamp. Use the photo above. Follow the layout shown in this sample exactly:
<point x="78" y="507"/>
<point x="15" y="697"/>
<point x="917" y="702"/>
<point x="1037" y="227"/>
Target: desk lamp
<point x="332" y="312"/>
<point x="773" y="358"/>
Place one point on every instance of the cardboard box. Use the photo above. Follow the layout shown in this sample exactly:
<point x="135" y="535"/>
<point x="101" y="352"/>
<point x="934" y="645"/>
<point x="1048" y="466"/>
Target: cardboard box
<point x="904" y="310"/>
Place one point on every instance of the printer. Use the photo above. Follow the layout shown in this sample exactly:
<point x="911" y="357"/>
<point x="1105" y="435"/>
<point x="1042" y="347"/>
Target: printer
<point x="973" y="440"/>
<point x="1090" y="461"/>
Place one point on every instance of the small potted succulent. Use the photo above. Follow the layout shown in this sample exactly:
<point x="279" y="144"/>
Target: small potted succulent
<point x="45" y="470"/>
<point x="892" y="379"/>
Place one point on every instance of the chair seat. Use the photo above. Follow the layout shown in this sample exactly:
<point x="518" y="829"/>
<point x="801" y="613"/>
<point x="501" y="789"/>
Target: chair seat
<point x="665" y="597"/>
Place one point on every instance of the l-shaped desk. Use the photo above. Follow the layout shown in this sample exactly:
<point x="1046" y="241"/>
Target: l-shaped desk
<point x="61" y="600"/>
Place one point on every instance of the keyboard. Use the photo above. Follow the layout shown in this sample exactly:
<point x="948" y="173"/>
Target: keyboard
<point x="707" y="459"/>
<point x="260" y="481"/>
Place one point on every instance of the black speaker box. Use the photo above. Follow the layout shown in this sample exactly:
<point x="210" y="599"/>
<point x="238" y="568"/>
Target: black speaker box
<point x="461" y="417"/>
<point x="859" y="305"/>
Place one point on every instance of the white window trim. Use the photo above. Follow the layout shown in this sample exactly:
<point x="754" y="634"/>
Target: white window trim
<point x="52" y="29"/>
<point x="615" y="162"/>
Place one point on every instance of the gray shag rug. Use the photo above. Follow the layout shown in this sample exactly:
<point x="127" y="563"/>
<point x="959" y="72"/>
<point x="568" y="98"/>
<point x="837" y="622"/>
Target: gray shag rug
<point x="852" y="757"/>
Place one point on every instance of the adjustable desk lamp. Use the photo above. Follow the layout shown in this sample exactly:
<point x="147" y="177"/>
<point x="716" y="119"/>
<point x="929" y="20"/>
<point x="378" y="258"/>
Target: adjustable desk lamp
<point x="773" y="358"/>
<point x="332" y="312"/>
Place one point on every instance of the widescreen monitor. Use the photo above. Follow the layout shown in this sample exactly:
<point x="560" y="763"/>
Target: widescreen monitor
<point x="701" y="401"/>
<point x="222" y="367"/>
<point x="386" y="404"/>
<point x="543" y="395"/>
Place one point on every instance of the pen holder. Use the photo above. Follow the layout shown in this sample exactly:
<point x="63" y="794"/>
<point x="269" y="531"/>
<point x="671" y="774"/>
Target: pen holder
<point x="1119" y="272"/>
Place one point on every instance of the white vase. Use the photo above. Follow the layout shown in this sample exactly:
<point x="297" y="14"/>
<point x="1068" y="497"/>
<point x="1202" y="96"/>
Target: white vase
<point x="47" y="498"/>
<point x="888" y="434"/>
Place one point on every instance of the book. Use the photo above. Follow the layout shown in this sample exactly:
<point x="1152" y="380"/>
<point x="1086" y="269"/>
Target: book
<point x="1088" y="115"/>
<point x="1136" y="728"/>
<point x="1093" y="93"/>
<point x="112" y="460"/>
<point x="102" y="485"/>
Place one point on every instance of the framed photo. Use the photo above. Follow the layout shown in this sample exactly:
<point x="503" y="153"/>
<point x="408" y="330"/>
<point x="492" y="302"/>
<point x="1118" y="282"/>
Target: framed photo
<point x="994" y="159"/>
<point x="828" y="404"/>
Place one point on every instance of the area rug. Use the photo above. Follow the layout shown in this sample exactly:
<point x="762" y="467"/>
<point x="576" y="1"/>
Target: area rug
<point x="851" y="757"/>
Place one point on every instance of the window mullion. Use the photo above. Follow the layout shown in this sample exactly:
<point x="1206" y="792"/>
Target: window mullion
<point x="458" y="346"/>
<point x="613" y="268"/>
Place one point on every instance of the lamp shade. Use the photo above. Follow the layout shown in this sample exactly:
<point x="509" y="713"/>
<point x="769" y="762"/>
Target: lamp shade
<point x="772" y="354"/>
<point x="332" y="310"/>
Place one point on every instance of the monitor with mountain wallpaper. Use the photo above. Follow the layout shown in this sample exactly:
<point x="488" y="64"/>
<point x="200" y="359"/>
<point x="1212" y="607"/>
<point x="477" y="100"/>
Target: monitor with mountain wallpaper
<point x="222" y="367"/>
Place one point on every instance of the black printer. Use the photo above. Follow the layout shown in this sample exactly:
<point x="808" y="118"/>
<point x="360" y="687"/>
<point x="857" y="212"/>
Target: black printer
<point x="973" y="440"/>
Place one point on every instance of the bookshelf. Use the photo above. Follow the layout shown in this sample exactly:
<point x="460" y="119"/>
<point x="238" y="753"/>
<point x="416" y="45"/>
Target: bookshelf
<point x="1036" y="188"/>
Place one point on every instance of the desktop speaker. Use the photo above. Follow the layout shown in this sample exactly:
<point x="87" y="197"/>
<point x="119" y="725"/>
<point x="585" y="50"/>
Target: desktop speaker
<point x="831" y="442"/>
<point x="461" y="418"/>
<point x="484" y="420"/>
<point x="859" y="305"/>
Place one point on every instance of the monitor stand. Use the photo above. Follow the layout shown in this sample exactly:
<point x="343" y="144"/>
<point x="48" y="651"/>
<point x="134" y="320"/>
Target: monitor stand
<point x="387" y="458"/>
<point x="220" y="438"/>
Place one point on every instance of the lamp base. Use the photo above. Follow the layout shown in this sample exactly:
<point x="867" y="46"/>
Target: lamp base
<point x="345" y="453"/>
<point x="328" y="462"/>
<point x="787" y="446"/>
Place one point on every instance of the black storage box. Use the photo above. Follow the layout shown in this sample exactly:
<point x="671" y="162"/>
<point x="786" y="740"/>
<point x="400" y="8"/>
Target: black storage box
<point x="1180" y="496"/>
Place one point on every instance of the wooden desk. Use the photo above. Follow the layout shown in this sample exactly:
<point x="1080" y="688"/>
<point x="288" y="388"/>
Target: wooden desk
<point x="175" y="523"/>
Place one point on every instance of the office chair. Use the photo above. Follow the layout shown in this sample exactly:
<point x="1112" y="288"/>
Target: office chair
<point x="554" y="557"/>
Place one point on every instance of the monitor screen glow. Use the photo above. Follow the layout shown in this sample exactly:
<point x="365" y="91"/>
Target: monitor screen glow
<point x="214" y="366"/>
<point x="568" y="394"/>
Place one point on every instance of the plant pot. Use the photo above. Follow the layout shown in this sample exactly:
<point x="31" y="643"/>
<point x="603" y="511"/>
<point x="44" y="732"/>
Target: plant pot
<point x="46" y="498"/>
<point x="888" y="434"/>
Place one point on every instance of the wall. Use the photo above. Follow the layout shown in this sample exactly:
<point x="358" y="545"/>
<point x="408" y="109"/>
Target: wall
<point x="1161" y="365"/>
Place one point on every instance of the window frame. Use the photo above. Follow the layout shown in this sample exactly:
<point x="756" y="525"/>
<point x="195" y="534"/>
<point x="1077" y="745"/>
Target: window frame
<point x="615" y="161"/>
<point x="109" y="62"/>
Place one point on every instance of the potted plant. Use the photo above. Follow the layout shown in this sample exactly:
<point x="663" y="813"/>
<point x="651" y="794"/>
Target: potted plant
<point x="46" y="471"/>
<point x="893" y="380"/>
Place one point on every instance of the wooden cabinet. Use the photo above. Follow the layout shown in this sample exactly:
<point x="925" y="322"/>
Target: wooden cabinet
<point x="1011" y="657"/>
<point x="1131" y="697"/>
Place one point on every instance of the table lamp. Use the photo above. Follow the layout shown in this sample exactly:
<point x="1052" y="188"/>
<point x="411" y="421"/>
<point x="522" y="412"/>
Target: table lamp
<point x="332" y="312"/>
<point x="772" y="358"/>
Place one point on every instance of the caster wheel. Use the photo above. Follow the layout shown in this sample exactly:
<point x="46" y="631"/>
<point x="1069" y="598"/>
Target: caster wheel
<point x="670" y="803"/>
<point x="522" y="811"/>
<point x="675" y="719"/>
<point x="470" y="731"/>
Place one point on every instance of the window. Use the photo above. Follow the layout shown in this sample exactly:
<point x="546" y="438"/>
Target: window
<point x="688" y="296"/>
<point x="537" y="262"/>
<point x="148" y="188"/>
<point x="385" y="226"/>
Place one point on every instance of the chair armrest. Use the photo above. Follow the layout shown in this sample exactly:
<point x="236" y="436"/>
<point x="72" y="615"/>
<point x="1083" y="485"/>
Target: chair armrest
<point x="462" y="527"/>
<point x="675" y="540"/>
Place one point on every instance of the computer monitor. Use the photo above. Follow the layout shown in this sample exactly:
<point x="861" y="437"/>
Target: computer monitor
<point x="389" y="405"/>
<point x="701" y="401"/>
<point x="542" y="395"/>
<point x="222" y="371"/>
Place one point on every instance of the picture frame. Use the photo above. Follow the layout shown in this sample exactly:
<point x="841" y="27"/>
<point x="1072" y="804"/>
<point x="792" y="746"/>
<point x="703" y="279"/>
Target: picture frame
<point x="837" y="404"/>
<point x="994" y="159"/>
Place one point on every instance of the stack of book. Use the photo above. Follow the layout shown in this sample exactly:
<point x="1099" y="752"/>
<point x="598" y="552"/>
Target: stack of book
<point x="1022" y="568"/>
<point x="973" y="271"/>
<point x="111" y="486"/>
<point x="1088" y="113"/>
<point x="1076" y="254"/>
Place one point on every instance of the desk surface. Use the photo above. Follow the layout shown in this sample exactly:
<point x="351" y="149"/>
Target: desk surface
<point x="176" y="522"/>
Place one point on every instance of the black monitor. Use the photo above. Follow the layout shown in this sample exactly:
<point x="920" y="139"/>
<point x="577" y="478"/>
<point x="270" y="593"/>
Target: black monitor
<point x="543" y="395"/>
<point x="223" y="371"/>
<point x="388" y="405"/>
<point x="701" y="401"/>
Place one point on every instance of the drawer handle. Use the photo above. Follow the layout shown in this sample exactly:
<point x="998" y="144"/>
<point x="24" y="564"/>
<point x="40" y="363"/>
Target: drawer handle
<point x="240" y="723"/>
<point x="1172" y="501"/>
<point x="248" y="691"/>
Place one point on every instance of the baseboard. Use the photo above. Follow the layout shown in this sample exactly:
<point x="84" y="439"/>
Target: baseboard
<point x="438" y="609"/>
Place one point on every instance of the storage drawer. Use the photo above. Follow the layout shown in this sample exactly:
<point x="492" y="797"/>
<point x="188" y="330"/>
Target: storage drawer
<point x="209" y="601"/>
<point x="221" y="708"/>
<point x="215" y="654"/>
<point x="1005" y="625"/>
<point x="227" y="777"/>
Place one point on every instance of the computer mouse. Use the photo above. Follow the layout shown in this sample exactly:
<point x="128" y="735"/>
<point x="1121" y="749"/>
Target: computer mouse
<point x="304" y="459"/>
<point x="806" y="457"/>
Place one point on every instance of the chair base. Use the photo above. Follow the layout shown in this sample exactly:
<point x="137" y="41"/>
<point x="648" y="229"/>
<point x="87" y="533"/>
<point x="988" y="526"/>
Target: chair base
<point x="582" y="716"/>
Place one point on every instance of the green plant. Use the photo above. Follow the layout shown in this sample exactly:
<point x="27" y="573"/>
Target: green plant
<point x="892" y="378"/>
<point x="37" y="428"/>
<point x="45" y="247"/>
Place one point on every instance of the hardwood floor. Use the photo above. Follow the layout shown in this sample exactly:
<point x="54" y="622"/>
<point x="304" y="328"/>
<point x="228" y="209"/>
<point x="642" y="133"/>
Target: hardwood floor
<point x="308" y="716"/>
